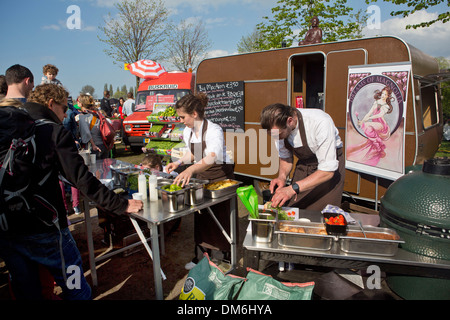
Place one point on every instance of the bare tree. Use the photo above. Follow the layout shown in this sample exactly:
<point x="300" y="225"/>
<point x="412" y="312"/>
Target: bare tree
<point x="187" y="45"/>
<point x="136" y="32"/>
<point x="250" y="43"/>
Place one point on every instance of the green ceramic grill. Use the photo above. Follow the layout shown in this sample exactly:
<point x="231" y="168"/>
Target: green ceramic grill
<point x="417" y="206"/>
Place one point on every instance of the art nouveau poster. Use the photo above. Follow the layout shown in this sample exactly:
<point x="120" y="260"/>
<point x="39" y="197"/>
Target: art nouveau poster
<point x="376" y="111"/>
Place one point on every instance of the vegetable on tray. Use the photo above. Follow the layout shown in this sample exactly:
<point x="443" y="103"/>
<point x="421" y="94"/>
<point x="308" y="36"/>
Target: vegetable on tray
<point x="282" y="215"/>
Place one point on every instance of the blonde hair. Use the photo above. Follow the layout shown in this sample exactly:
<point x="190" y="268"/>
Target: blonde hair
<point x="87" y="101"/>
<point x="44" y="92"/>
<point x="10" y="102"/>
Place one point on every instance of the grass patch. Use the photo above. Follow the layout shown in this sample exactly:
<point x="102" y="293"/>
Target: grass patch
<point x="444" y="150"/>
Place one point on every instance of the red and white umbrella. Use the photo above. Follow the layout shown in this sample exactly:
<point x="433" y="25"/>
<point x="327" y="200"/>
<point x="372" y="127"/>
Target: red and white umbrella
<point x="147" y="69"/>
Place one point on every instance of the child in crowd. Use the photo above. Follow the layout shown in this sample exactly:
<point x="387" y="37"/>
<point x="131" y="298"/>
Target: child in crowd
<point x="153" y="161"/>
<point x="50" y="73"/>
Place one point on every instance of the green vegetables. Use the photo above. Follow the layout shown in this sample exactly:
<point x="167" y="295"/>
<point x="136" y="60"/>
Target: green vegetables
<point x="169" y="112"/>
<point x="132" y="179"/>
<point x="156" y="128"/>
<point x="282" y="215"/>
<point x="171" y="187"/>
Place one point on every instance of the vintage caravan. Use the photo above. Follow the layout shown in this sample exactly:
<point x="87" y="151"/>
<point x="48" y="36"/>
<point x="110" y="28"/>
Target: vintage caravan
<point x="340" y="78"/>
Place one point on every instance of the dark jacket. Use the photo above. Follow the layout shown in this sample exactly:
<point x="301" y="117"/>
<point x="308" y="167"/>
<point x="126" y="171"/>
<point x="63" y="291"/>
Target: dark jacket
<point x="105" y="105"/>
<point x="70" y="123"/>
<point x="57" y="152"/>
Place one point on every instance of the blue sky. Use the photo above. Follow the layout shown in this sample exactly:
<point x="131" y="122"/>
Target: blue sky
<point x="35" y="33"/>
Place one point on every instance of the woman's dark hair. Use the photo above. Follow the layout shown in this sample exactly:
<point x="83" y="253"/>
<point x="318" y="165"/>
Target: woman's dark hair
<point x="378" y="94"/>
<point x="276" y="115"/>
<point x="193" y="103"/>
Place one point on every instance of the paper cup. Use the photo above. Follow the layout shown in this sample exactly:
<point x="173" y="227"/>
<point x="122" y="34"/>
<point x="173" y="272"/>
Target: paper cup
<point x="93" y="158"/>
<point x="137" y="196"/>
<point x="86" y="158"/>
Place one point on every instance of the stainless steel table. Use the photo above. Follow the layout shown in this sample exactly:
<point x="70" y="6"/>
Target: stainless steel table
<point x="403" y="262"/>
<point x="154" y="215"/>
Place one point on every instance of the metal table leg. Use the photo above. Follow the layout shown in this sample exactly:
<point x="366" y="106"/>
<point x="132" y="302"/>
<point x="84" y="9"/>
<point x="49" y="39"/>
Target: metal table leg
<point x="158" y="274"/>
<point x="90" y="241"/>
<point x="233" y="232"/>
<point x="232" y="237"/>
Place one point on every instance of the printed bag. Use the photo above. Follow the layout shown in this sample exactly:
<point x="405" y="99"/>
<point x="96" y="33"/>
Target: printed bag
<point x="207" y="282"/>
<point x="260" y="286"/>
<point x="106" y="129"/>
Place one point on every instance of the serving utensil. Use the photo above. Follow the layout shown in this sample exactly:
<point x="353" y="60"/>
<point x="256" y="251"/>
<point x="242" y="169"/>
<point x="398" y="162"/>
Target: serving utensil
<point x="362" y="229"/>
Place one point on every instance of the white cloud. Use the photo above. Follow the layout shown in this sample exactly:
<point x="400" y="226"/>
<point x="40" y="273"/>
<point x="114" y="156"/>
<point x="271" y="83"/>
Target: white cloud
<point x="218" y="53"/>
<point x="432" y="40"/>
<point x="106" y="3"/>
<point x="204" y="6"/>
<point x="62" y="25"/>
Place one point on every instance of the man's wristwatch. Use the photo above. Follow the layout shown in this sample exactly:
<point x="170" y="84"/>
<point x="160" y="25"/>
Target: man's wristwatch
<point x="296" y="188"/>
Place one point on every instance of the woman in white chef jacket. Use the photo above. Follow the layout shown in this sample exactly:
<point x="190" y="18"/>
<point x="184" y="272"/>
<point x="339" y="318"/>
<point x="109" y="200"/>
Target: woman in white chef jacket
<point x="207" y="160"/>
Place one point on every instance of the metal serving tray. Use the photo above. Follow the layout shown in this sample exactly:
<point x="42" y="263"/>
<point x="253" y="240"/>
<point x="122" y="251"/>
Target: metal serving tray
<point x="222" y="192"/>
<point x="311" y="238"/>
<point x="173" y="201"/>
<point x="196" y="192"/>
<point x="372" y="246"/>
<point x="262" y="228"/>
<point x="120" y="173"/>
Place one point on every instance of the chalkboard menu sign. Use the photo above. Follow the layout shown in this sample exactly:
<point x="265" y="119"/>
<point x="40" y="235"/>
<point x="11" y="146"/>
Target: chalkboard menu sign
<point x="225" y="104"/>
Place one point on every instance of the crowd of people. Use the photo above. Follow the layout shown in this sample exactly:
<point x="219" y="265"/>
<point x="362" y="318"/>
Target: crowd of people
<point x="309" y="134"/>
<point x="35" y="242"/>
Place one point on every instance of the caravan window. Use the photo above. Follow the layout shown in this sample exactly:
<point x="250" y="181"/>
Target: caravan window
<point x="429" y="99"/>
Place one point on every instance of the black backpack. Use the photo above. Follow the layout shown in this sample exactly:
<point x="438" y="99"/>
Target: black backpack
<point x="18" y="183"/>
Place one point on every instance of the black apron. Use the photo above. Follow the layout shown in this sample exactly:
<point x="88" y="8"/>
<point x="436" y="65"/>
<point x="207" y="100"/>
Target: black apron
<point x="206" y="232"/>
<point x="326" y="193"/>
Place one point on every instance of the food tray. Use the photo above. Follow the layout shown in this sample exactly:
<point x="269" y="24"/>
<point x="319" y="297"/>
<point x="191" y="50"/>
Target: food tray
<point x="196" y="192"/>
<point x="222" y="192"/>
<point x="173" y="201"/>
<point x="262" y="228"/>
<point x="354" y="241"/>
<point x="120" y="173"/>
<point x="311" y="236"/>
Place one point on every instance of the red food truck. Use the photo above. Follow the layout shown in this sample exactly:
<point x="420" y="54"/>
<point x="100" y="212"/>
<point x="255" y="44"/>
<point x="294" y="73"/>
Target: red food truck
<point x="165" y="90"/>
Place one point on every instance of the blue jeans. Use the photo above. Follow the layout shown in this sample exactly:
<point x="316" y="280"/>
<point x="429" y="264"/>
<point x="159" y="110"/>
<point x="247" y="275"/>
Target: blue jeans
<point x="23" y="254"/>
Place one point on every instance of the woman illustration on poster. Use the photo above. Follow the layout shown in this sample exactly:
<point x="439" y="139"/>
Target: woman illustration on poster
<point x="375" y="128"/>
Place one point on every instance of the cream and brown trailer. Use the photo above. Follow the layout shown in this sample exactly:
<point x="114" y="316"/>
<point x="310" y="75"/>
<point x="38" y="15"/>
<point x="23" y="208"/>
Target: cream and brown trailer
<point x="319" y="75"/>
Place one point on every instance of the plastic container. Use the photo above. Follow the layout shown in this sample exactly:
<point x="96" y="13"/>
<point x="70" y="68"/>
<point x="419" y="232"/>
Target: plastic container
<point x="152" y="184"/>
<point x="333" y="229"/>
<point x="142" y="186"/>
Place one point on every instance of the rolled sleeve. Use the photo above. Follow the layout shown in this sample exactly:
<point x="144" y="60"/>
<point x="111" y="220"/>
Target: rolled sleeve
<point x="215" y="142"/>
<point x="326" y="146"/>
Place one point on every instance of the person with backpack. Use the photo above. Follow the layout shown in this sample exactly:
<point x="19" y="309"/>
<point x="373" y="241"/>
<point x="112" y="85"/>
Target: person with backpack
<point x="33" y="223"/>
<point x="20" y="81"/>
<point x="89" y="125"/>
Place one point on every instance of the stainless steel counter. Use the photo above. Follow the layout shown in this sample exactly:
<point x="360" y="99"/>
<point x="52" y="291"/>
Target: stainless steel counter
<point x="403" y="262"/>
<point x="154" y="215"/>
